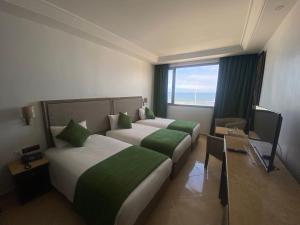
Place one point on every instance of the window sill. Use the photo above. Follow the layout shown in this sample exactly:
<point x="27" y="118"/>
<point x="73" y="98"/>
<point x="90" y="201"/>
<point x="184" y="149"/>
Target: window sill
<point x="193" y="106"/>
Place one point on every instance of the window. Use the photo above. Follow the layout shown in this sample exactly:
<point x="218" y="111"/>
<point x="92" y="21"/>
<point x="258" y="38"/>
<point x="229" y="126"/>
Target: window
<point x="193" y="85"/>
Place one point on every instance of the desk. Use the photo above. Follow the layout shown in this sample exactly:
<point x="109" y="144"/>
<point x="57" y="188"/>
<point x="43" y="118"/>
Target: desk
<point x="254" y="196"/>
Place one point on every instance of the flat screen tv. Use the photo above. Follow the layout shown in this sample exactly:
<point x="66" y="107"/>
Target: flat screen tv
<point x="264" y="133"/>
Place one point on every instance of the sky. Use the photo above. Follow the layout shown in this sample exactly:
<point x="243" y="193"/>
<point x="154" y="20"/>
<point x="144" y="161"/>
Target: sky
<point x="200" y="79"/>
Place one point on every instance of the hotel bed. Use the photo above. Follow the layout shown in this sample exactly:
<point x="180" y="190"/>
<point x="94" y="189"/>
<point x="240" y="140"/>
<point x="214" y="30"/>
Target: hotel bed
<point x="139" y="132"/>
<point x="70" y="167"/>
<point x="165" y="123"/>
<point x="68" y="164"/>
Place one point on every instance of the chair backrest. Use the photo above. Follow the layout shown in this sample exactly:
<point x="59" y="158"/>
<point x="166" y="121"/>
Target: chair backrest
<point x="215" y="146"/>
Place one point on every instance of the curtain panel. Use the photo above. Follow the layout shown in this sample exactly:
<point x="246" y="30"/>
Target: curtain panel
<point x="235" y="88"/>
<point x="259" y="77"/>
<point x="160" y="97"/>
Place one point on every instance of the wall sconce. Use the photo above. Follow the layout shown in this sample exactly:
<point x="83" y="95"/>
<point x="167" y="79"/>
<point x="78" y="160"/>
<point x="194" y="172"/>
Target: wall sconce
<point x="28" y="113"/>
<point x="145" y="101"/>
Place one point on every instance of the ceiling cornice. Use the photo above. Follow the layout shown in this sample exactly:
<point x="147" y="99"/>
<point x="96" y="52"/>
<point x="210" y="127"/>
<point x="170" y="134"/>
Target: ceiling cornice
<point x="261" y="22"/>
<point x="51" y="15"/>
<point x="254" y="15"/>
<point x="198" y="55"/>
<point x="264" y="17"/>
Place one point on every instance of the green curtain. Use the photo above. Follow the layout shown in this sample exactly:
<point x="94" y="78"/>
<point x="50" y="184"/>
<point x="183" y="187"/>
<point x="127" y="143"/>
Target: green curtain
<point x="259" y="77"/>
<point x="258" y="85"/>
<point x="160" y="97"/>
<point x="236" y="81"/>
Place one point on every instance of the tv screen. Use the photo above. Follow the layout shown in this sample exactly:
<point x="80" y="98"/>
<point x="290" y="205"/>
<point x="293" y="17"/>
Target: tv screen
<point x="265" y="129"/>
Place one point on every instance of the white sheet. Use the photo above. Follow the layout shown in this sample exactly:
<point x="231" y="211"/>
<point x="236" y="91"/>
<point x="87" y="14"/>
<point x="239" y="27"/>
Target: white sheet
<point x="67" y="164"/>
<point x="164" y="123"/>
<point x="138" y="132"/>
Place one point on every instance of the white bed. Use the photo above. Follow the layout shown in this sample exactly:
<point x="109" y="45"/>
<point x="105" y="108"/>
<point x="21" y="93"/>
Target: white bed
<point x="164" y="123"/>
<point x="68" y="163"/>
<point x="138" y="132"/>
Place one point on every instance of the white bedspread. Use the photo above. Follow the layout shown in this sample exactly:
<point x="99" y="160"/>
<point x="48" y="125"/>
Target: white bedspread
<point x="164" y="123"/>
<point x="138" y="132"/>
<point x="67" y="165"/>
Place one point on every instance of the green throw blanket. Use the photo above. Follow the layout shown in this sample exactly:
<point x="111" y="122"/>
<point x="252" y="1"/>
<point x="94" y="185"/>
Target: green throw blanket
<point x="164" y="141"/>
<point x="102" y="189"/>
<point x="183" y="125"/>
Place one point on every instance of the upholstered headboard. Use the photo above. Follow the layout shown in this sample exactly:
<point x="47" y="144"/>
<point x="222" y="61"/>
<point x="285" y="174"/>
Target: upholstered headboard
<point x="93" y="110"/>
<point x="129" y="105"/>
<point x="59" y="113"/>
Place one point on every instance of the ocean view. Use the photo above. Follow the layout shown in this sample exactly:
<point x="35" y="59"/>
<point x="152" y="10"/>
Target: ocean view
<point x="192" y="98"/>
<point x="195" y="85"/>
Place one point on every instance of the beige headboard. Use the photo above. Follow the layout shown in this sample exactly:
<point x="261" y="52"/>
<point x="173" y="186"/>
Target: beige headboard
<point x="129" y="105"/>
<point x="93" y="110"/>
<point x="59" y="113"/>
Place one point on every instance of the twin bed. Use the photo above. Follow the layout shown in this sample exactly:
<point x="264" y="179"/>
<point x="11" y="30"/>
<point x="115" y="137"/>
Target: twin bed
<point x="170" y="124"/>
<point x="137" y="134"/>
<point x="68" y="164"/>
<point x="109" y="181"/>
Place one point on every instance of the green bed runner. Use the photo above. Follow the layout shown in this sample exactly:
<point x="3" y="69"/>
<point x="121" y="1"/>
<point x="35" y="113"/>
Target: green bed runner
<point x="164" y="141"/>
<point x="183" y="125"/>
<point x="102" y="189"/>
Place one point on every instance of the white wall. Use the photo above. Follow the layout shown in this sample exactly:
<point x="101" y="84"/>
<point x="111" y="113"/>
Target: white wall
<point x="281" y="86"/>
<point x="41" y="63"/>
<point x="201" y="114"/>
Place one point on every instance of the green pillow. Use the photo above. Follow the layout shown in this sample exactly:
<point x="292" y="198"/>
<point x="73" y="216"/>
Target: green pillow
<point x="74" y="134"/>
<point x="124" y="121"/>
<point x="149" y="114"/>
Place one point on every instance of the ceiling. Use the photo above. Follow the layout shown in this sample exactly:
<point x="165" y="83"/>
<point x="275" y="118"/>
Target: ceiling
<point x="167" y="27"/>
<point x="169" y="30"/>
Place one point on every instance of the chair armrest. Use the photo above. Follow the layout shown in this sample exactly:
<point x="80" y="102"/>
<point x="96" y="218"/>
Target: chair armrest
<point x="220" y="122"/>
<point x="238" y="124"/>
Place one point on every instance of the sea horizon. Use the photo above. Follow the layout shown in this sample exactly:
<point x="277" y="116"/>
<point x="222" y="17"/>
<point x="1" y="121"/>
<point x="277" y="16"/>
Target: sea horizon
<point x="193" y="98"/>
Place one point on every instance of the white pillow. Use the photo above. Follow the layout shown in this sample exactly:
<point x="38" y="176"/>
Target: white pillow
<point x="113" y="121"/>
<point x="56" y="130"/>
<point x="142" y="113"/>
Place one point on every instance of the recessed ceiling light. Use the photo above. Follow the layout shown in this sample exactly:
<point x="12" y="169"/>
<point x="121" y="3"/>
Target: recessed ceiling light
<point x="279" y="7"/>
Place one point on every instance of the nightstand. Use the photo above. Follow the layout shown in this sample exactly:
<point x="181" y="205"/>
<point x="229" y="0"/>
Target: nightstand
<point x="31" y="182"/>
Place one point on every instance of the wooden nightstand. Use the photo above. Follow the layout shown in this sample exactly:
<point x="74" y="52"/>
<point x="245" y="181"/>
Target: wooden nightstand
<point x="30" y="182"/>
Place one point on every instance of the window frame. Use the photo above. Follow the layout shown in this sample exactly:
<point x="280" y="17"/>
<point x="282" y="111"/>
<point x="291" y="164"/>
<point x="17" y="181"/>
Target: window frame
<point x="174" y="84"/>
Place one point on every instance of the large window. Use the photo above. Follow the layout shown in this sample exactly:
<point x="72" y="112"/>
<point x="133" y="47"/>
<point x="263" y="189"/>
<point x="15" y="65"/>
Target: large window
<point x="193" y="85"/>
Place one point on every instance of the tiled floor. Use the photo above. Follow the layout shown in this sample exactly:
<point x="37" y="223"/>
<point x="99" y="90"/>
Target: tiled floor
<point x="191" y="199"/>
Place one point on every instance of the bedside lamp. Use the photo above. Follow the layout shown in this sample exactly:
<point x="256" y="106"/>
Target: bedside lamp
<point x="145" y="101"/>
<point x="28" y="113"/>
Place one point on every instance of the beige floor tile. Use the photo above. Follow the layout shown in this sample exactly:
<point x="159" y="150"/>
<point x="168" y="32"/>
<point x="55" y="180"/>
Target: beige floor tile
<point x="194" y="180"/>
<point x="206" y="185"/>
<point x="49" y="209"/>
<point x="199" y="211"/>
<point x="163" y="217"/>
